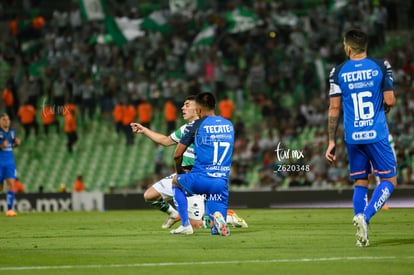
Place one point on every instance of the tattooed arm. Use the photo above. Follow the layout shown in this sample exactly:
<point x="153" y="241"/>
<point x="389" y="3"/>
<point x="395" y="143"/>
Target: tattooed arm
<point x="333" y="120"/>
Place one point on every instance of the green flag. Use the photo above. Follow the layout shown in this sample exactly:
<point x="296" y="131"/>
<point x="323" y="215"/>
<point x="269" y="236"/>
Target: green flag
<point x="241" y="20"/>
<point x="32" y="45"/>
<point x="92" y="9"/>
<point x="37" y="69"/>
<point x="122" y="30"/>
<point x="205" y="37"/>
<point x="157" y="21"/>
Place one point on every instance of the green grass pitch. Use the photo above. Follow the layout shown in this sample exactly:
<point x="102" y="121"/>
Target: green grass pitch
<point x="278" y="241"/>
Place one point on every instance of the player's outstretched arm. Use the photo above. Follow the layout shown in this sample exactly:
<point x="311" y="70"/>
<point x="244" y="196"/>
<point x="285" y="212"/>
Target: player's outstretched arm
<point x="154" y="136"/>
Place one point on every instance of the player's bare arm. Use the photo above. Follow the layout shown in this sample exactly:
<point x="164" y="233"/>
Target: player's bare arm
<point x="178" y="157"/>
<point x="389" y="100"/>
<point x="154" y="136"/>
<point x="333" y="120"/>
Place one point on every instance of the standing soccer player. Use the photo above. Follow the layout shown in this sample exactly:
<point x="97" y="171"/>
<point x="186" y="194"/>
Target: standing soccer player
<point x="363" y="87"/>
<point x="8" y="140"/>
<point x="161" y="192"/>
<point x="213" y="140"/>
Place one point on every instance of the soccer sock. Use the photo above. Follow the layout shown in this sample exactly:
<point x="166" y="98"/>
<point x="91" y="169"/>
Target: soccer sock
<point x="162" y="205"/>
<point x="180" y="201"/>
<point x="171" y="209"/>
<point x="10" y="199"/>
<point x="379" y="197"/>
<point x="360" y="199"/>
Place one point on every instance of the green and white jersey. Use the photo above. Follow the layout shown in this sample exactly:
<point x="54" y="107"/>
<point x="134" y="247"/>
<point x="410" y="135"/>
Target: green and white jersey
<point x="188" y="156"/>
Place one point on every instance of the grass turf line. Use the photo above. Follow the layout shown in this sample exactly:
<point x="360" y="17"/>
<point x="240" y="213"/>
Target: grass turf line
<point x="288" y="241"/>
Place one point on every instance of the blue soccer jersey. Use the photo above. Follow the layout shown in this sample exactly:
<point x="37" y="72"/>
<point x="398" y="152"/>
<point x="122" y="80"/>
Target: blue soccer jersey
<point x="213" y="138"/>
<point x="6" y="154"/>
<point x="361" y="84"/>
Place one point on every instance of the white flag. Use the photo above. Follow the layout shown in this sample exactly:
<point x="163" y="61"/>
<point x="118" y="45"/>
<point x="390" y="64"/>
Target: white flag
<point x="157" y="21"/>
<point x="183" y="6"/>
<point x="241" y="20"/>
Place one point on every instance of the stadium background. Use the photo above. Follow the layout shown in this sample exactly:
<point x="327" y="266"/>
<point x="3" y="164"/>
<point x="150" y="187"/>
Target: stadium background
<point x="273" y="68"/>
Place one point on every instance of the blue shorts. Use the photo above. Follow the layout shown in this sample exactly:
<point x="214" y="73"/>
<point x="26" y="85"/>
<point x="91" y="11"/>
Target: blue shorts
<point x="365" y="157"/>
<point x="214" y="190"/>
<point x="7" y="171"/>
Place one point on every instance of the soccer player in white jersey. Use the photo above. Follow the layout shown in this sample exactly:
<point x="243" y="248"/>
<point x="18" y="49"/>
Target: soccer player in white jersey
<point x="160" y="193"/>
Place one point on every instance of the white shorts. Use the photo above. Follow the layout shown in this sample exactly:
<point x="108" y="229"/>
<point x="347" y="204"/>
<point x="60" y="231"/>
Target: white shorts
<point x="164" y="187"/>
<point x="196" y="207"/>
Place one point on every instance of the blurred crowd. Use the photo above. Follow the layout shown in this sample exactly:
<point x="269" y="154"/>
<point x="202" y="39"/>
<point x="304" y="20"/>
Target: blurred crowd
<point x="280" y="67"/>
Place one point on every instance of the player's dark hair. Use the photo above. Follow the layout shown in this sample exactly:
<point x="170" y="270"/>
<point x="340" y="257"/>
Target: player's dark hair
<point x="190" y="97"/>
<point x="3" y="114"/>
<point x="357" y="40"/>
<point x="206" y="100"/>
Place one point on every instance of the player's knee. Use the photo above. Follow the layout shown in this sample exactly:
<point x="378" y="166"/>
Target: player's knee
<point x="393" y="180"/>
<point x="151" y="194"/>
<point x="148" y="196"/>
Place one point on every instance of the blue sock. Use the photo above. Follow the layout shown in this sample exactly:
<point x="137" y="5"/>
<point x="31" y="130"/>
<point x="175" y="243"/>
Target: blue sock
<point x="180" y="201"/>
<point x="360" y="199"/>
<point x="10" y="199"/>
<point x="379" y="197"/>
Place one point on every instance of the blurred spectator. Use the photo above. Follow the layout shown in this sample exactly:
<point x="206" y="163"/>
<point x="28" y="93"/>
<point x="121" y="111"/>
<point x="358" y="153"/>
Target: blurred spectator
<point x="118" y="114"/>
<point x="61" y="189"/>
<point x="128" y="117"/>
<point x="75" y="87"/>
<point x="12" y="87"/>
<point x="226" y="108"/>
<point x="239" y="128"/>
<point x="27" y="115"/>
<point x="79" y="186"/>
<point x="320" y="182"/>
<point x="238" y="174"/>
<point x="107" y="98"/>
<point x="192" y="67"/>
<point x="34" y="90"/>
<point x="49" y="118"/>
<point x="70" y="129"/>
<point x="170" y="114"/>
<point x="88" y="99"/>
<point x="58" y="91"/>
<point x="145" y="113"/>
<point x="8" y="100"/>
<point x="159" y="162"/>
<point x="75" y="19"/>
<point x="133" y="90"/>
<point x="70" y="106"/>
<point x="256" y="77"/>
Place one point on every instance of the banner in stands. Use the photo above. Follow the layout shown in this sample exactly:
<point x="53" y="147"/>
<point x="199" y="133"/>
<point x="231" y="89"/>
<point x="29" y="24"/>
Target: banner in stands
<point x="98" y="201"/>
<point x="87" y="201"/>
<point x="55" y="202"/>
